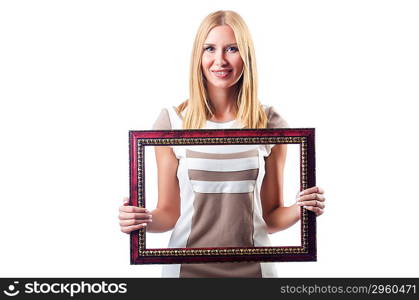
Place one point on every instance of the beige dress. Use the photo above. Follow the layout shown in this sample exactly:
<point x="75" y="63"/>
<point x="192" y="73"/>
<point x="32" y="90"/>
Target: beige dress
<point x="220" y="199"/>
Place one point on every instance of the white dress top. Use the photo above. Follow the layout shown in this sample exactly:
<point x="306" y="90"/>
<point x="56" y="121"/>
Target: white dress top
<point x="220" y="199"/>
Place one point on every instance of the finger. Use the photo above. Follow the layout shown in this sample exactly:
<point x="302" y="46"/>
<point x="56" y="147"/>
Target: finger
<point x="125" y="201"/>
<point x="124" y="223"/>
<point x="128" y="229"/>
<point x="133" y="209"/>
<point x="313" y="196"/>
<point x="318" y="211"/>
<point x="314" y="189"/>
<point x="313" y="203"/>
<point x="131" y="216"/>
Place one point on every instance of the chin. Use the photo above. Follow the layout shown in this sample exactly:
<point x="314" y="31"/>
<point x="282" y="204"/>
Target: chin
<point x="221" y="85"/>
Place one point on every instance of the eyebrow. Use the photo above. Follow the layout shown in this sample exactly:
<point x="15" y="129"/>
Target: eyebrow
<point x="209" y="44"/>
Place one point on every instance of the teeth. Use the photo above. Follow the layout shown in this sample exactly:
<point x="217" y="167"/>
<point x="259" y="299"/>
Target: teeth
<point x="220" y="73"/>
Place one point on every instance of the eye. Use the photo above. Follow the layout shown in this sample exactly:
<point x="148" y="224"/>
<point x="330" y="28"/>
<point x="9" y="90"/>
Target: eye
<point x="209" y="49"/>
<point x="232" y="49"/>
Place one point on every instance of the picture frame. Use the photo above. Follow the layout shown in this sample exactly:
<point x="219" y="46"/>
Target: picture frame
<point x="139" y="139"/>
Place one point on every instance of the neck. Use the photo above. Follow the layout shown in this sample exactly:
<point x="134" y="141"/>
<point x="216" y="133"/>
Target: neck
<point x="223" y="102"/>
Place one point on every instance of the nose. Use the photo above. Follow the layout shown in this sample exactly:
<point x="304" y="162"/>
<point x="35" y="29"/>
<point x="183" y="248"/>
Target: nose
<point x="219" y="58"/>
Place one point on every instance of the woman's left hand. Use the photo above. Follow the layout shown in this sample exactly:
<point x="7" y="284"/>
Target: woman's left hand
<point x="312" y="199"/>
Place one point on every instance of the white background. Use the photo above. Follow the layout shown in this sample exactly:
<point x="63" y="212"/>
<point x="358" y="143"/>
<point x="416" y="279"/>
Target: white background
<point x="291" y="186"/>
<point x="75" y="76"/>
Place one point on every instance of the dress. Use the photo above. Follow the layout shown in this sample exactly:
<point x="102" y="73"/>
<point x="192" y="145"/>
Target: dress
<point x="220" y="199"/>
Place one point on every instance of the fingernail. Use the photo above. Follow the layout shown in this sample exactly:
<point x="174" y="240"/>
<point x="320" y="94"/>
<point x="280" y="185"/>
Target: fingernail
<point x="301" y="193"/>
<point x="305" y="206"/>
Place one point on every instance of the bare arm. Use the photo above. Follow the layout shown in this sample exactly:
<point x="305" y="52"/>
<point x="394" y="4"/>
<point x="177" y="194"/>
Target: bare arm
<point x="167" y="211"/>
<point x="164" y="217"/>
<point x="277" y="217"/>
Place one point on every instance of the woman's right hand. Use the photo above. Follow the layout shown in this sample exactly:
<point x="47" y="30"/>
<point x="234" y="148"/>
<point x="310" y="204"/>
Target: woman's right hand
<point x="132" y="217"/>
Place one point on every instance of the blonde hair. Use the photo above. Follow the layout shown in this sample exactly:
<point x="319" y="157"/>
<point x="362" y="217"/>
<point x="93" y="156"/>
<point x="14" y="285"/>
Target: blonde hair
<point x="250" y="112"/>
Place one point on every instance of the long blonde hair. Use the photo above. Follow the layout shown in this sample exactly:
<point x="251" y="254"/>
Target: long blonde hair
<point x="250" y="112"/>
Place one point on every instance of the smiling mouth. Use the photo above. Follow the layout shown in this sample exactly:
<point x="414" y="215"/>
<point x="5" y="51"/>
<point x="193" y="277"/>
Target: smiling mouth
<point x="221" y="74"/>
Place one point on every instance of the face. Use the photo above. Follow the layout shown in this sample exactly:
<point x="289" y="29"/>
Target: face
<point x="222" y="64"/>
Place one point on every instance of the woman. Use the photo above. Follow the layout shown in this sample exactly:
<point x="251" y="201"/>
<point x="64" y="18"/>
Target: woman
<point x="238" y="200"/>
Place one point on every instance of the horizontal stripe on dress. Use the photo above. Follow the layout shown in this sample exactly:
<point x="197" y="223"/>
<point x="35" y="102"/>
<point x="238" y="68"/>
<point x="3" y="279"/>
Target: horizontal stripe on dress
<point x="222" y="176"/>
<point x="228" y="165"/>
<point x="230" y="148"/>
<point x="244" y="186"/>
<point x="205" y="155"/>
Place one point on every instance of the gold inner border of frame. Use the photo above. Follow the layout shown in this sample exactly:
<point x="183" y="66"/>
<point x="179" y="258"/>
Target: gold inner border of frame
<point x="212" y="141"/>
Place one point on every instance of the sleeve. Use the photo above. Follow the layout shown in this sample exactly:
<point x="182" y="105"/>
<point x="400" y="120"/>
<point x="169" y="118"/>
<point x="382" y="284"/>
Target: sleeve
<point x="275" y="120"/>
<point x="163" y="121"/>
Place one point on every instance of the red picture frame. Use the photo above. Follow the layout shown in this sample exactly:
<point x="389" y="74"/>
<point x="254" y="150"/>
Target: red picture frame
<point x="140" y="139"/>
